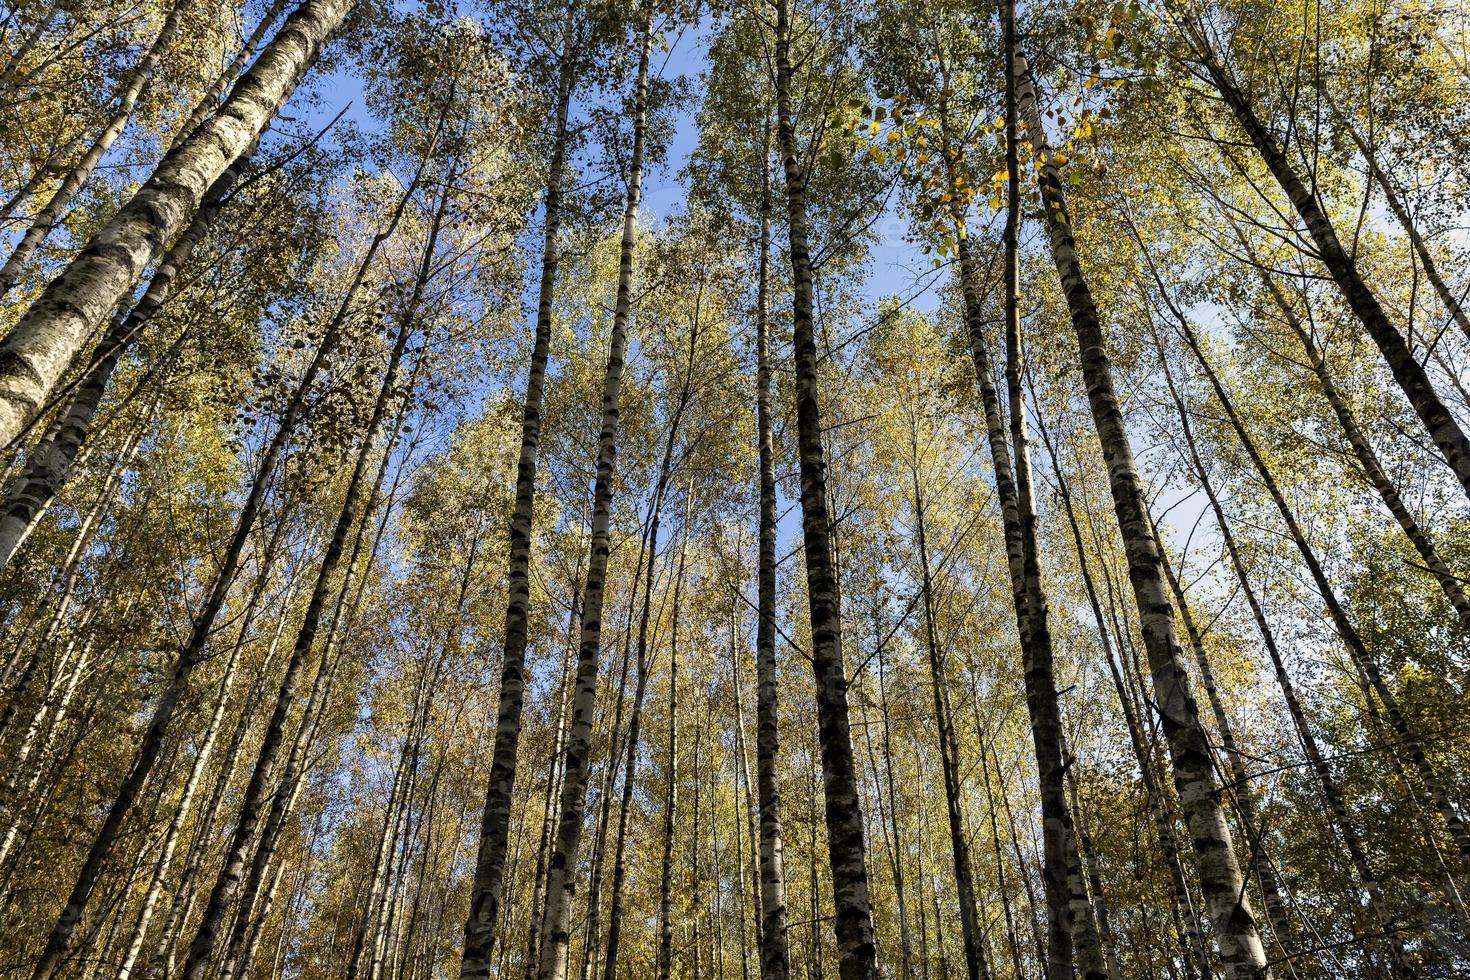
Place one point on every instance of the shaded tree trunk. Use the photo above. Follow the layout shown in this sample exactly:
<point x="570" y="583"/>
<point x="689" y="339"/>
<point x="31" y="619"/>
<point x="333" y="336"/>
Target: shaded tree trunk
<point x="856" y="941"/>
<point x="1443" y="430"/>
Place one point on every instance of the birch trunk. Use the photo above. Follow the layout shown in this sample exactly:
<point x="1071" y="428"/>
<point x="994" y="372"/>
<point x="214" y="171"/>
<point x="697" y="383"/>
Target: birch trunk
<point x="209" y="99"/>
<point x="553" y="777"/>
<point x="485" y="894"/>
<point x="151" y="747"/>
<point x="775" y="949"/>
<point x="1242" y="792"/>
<point x="1443" y="430"/>
<point x="660" y="492"/>
<point x="1199" y="793"/>
<point x="894" y="839"/>
<point x="1186" y="923"/>
<point x="36" y="352"/>
<point x="561" y="877"/>
<point x="975" y="963"/>
<point x="1400" y="211"/>
<point x="857" y="943"/>
<point x="665" y="956"/>
<point x="1068" y="923"/>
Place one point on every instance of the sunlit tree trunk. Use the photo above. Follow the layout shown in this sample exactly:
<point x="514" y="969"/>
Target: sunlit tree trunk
<point x="233" y="874"/>
<point x="1186" y="923"/>
<point x="197" y="770"/>
<point x="635" y="718"/>
<point x="209" y="99"/>
<point x="38" y="349"/>
<point x="1094" y="877"/>
<point x="562" y="875"/>
<point x="1242" y="791"/>
<point x="553" y="777"/>
<point x="887" y="783"/>
<point x="485" y="893"/>
<point x="1069" y="923"/>
<point x="193" y="648"/>
<point x="665" y="956"/>
<point x="1199" y="793"/>
<point x="976" y="965"/>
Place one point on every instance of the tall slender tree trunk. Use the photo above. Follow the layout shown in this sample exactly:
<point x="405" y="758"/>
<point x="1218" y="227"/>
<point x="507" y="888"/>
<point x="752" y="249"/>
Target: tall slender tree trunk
<point x="70" y="571"/>
<point x="38" y="349"/>
<point x="1012" y="940"/>
<point x="561" y="877"/>
<point x="127" y="98"/>
<point x="209" y="99"/>
<point x="485" y="893"/>
<point x="377" y="879"/>
<point x="665" y="956"/>
<point x="635" y="718"/>
<point x="1199" y="793"/>
<point x="746" y="795"/>
<point x="1243" y="791"/>
<point x="27" y="45"/>
<point x="1443" y="430"/>
<point x="976" y="966"/>
<point x="553" y="778"/>
<point x="856" y="941"/>
<point x="49" y="465"/>
<point x="775" y="950"/>
<point x="1400" y="212"/>
<point x="891" y="832"/>
<point x="197" y="770"/>
<point x="1090" y="866"/>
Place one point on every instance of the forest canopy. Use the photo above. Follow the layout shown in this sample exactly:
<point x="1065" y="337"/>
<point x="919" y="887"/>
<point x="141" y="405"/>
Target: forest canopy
<point x="772" y="489"/>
